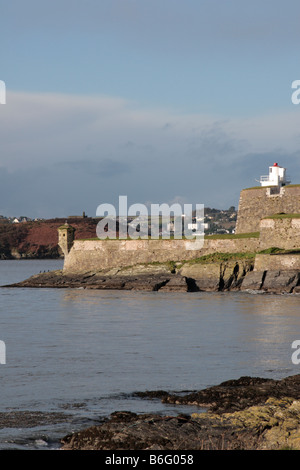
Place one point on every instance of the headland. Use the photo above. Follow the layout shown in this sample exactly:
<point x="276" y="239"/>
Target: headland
<point x="262" y="255"/>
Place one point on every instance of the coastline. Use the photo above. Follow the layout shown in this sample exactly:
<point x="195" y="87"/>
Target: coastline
<point x="211" y="276"/>
<point x="249" y="413"/>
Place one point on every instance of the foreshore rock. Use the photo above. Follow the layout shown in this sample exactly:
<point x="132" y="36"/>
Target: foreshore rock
<point x="174" y="277"/>
<point x="249" y="413"/>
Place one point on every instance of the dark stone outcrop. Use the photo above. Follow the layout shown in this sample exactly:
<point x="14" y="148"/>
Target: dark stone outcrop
<point x="266" y="282"/>
<point x="146" y="282"/>
<point x="30" y="419"/>
<point x="234" y="395"/>
<point x="186" y="276"/>
<point x="276" y="281"/>
<point x="248" y="413"/>
<point x="254" y="280"/>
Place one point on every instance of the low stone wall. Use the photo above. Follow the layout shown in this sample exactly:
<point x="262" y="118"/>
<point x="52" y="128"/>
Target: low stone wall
<point x="282" y="232"/>
<point x="276" y="262"/>
<point x="91" y="255"/>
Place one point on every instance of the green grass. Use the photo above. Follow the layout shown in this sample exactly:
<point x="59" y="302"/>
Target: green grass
<point x="172" y="266"/>
<point x="270" y="251"/>
<point x="233" y="236"/>
<point x="279" y="251"/>
<point x="256" y="187"/>
<point x="223" y="236"/>
<point x="282" y="215"/>
<point x="221" y="257"/>
<point x="134" y="239"/>
<point x="264" y="187"/>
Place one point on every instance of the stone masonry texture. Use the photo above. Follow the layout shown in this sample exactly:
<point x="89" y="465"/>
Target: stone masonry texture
<point x="255" y="204"/>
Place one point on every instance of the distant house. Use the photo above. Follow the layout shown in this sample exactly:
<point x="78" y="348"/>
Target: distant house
<point x="193" y="227"/>
<point x="15" y="221"/>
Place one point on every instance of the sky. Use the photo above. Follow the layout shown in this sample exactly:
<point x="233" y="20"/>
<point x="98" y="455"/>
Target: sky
<point x="185" y="101"/>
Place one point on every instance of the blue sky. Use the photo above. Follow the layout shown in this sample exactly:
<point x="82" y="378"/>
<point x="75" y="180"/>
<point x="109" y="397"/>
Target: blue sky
<point x="162" y="101"/>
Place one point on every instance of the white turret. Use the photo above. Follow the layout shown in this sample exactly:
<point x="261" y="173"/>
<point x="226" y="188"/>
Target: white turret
<point x="276" y="177"/>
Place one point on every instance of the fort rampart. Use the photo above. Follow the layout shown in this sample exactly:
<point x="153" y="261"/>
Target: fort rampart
<point x="280" y="232"/>
<point x="267" y="217"/>
<point x="260" y="202"/>
<point x="91" y="255"/>
<point x="277" y="262"/>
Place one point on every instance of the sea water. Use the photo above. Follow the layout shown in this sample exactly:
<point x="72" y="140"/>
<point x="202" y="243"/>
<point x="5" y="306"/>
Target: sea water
<point x="84" y="353"/>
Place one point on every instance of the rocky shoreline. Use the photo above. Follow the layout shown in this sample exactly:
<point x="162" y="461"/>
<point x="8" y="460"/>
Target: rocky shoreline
<point x="249" y="413"/>
<point x="172" y="277"/>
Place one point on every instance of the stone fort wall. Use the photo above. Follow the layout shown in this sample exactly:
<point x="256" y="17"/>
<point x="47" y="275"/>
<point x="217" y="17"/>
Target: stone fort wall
<point x="96" y="255"/>
<point x="282" y="232"/>
<point x="277" y="262"/>
<point x="256" y="207"/>
<point x="257" y="203"/>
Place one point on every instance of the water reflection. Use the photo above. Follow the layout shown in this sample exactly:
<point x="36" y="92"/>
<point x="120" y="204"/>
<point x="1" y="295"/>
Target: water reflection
<point x="80" y="343"/>
<point x="230" y="330"/>
<point x="77" y="345"/>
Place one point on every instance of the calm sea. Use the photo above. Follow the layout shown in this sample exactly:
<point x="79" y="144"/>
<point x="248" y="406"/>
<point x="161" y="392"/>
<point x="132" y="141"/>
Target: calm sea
<point x="83" y="352"/>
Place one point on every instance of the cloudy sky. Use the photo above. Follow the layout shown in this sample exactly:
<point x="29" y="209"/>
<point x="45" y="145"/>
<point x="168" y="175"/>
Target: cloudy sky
<point x="160" y="100"/>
